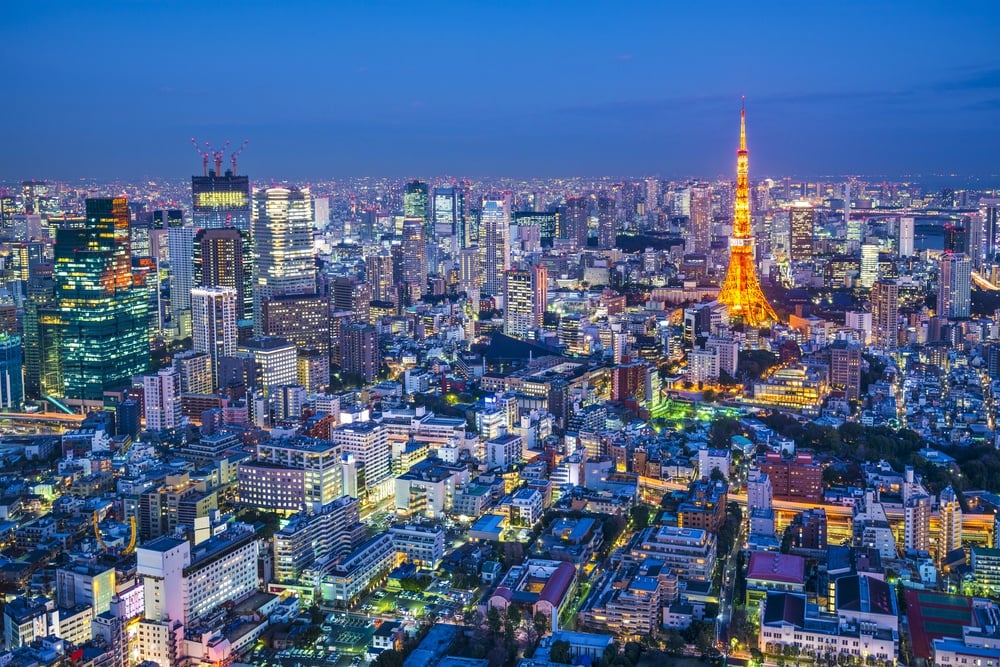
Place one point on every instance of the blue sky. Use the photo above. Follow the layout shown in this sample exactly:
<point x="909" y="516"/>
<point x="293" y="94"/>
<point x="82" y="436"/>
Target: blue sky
<point x="325" y="89"/>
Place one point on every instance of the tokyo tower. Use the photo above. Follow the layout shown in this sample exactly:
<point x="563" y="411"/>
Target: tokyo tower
<point x="741" y="289"/>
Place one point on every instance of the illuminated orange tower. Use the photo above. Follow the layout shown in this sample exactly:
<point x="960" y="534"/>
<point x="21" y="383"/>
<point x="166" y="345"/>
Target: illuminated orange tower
<point x="741" y="290"/>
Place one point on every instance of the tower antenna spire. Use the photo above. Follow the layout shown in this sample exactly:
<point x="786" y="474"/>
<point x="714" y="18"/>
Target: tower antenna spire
<point x="741" y="291"/>
<point x="743" y="124"/>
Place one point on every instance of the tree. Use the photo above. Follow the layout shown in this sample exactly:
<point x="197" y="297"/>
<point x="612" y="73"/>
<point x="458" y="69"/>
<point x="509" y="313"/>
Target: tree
<point x="514" y="617"/>
<point x="541" y="623"/>
<point x="389" y="658"/>
<point x="640" y="516"/>
<point x="494" y="622"/>
<point x="560" y="653"/>
<point x="675" y="643"/>
<point x="633" y="651"/>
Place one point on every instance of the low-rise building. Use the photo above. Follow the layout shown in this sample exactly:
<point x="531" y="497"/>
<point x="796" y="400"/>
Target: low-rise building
<point x="689" y="552"/>
<point x="536" y="586"/>
<point x="359" y="571"/>
<point x="768" y="571"/>
<point x="419" y="544"/>
<point x="787" y="620"/>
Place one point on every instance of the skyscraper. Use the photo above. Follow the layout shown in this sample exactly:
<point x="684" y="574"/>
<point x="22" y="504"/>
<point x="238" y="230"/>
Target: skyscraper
<point x="741" y="291"/>
<point x="518" y="319"/>
<point x="414" y="257"/>
<point x="548" y="224"/>
<point x="525" y="297"/>
<point x="700" y="226"/>
<point x="221" y="201"/>
<point x="955" y="286"/>
<point x="180" y="242"/>
<point x="885" y="314"/>
<point x="218" y="262"/>
<point x="869" y="265"/>
<point x="301" y="319"/>
<point x="905" y="241"/>
<point x="284" y="257"/>
<point x="416" y="204"/>
<point x="213" y="323"/>
<point x="449" y="214"/>
<point x="802" y="223"/>
<point x="351" y="294"/>
<point x="378" y="274"/>
<point x="495" y="228"/>
<point x="990" y="211"/>
<point x="575" y="221"/>
<point x="41" y="296"/>
<point x="607" y="224"/>
<point x="11" y="378"/>
<point x="102" y="311"/>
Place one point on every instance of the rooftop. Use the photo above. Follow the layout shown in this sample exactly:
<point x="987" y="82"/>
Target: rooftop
<point x="777" y="567"/>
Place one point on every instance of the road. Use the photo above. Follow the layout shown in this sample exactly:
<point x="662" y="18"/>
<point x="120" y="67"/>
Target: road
<point x="726" y="593"/>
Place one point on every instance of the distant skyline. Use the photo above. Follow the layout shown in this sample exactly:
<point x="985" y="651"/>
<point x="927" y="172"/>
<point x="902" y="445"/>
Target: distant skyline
<point x="115" y="90"/>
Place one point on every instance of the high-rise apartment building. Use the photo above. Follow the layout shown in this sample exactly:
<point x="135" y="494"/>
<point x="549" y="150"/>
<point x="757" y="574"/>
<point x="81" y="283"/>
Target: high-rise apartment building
<point x="845" y="368"/>
<point x="378" y="274"/>
<point x="162" y="399"/>
<point x="414" y="257"/>
<point x="284" y="257"/>
<point x="101" y="310"/>
<point x="955" y="286"/>
<point x="700" y="226"/>
<point x="885" y="314"/>
<point x="575" y="219"/>
<point x="213" y="323"/>
<point x="197" y="371"/>
<point x="905" y="238"/>
<point x="525" y="296"/>
<point x="607" y="223"/>
<point x="495" y="229"/>
<point x="359" y="354"/>
<point x="802" y="230"/>
<point x="949" y="523"/>
<point x="917" y="524"/>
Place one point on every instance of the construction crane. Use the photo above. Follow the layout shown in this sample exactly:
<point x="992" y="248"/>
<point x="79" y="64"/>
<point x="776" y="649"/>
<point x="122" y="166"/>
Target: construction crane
<point x="237" y="153"/>
<point x="133" y="534"/>
<point x="218" y="156"/>
<point x="204" y="153"/>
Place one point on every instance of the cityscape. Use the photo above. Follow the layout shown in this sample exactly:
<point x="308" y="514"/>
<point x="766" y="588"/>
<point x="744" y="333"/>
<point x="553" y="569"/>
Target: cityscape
<point x="437" y="420"/>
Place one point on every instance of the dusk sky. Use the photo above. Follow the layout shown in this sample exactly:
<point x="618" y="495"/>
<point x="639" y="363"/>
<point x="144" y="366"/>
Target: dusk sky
<point x="329" y="89"/>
